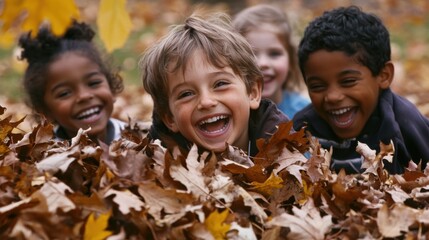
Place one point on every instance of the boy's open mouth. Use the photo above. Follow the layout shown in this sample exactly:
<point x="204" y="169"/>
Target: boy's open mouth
<point x="343" y="118"/>
<point x="215" y="124"/>
<point x="88" y="113"/>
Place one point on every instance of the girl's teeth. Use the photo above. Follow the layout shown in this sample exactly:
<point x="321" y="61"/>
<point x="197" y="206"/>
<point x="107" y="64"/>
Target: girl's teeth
<point x="88" y="112"/>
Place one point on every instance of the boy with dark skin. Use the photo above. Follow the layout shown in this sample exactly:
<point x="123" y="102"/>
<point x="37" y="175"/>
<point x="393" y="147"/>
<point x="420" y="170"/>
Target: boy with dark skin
<point x="345" y="59"/>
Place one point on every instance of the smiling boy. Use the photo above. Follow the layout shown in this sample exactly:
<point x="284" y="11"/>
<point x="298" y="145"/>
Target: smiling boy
<point x="344" y="56"/>
<point x="206" y="87"/>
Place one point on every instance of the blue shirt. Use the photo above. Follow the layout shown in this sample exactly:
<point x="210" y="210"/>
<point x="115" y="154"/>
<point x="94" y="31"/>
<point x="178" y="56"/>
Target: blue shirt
<point x="292" y="102"/>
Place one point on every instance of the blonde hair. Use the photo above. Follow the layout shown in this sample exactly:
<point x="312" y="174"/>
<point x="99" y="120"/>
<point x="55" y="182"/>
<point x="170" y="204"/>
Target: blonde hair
<point x="214" y="36"/>
<point x="263" y="14"/>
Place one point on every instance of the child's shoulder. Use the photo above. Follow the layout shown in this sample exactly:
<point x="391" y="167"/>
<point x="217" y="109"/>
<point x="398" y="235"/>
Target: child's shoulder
<point x="402" y="109"/>
<point x="267" y="117"/>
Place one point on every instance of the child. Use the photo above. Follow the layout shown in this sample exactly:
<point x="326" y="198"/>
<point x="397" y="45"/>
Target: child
<point x="267" y="29"/>
<point x="206" y="88"/>
<point x="67" y="82"/>
<point x="344" y="56"/>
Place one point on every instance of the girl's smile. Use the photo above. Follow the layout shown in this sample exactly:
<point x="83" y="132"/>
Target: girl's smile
<point x="78" y="95"/>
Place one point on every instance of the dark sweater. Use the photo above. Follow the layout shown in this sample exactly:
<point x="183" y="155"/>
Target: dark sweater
<point x="395" y="118"/>
<point x="262" y="124"/>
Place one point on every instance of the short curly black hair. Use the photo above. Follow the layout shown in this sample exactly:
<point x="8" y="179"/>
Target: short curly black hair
<point x="45" y="48"/>
<point x="350" y="30"/>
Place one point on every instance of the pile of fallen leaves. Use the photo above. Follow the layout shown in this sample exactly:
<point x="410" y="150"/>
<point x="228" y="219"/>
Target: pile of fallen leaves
<point x="135" y="189"/>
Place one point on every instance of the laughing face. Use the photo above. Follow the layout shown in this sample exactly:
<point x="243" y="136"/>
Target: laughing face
<point x="344" y="92"/>
<point x="210" y="106"/>
<point x="273" y="60"/>
<point x="78" y="95"/>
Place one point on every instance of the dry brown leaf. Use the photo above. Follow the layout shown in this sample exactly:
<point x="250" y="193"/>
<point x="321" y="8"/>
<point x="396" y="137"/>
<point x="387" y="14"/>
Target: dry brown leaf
<point x="305" y="223"/>
<point x="392" y="222"/>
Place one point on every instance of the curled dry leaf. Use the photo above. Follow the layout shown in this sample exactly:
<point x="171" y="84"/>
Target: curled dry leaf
<point x="63" y="189"/>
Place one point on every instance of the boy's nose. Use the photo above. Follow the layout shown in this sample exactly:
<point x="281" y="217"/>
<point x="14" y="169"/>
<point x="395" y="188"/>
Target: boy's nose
<point x="207" y="100"/>
<point x="333" y="95"/>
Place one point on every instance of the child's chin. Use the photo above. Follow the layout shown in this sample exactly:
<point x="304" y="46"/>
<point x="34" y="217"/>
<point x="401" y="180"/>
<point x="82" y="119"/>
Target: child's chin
<point x="217" y="149"/>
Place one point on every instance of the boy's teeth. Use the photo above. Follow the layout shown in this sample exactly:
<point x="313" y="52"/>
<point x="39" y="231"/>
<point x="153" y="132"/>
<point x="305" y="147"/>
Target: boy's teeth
<point x="340" y="111"/>
<point x="88" y="112"/>
<point x="212" y="119"/>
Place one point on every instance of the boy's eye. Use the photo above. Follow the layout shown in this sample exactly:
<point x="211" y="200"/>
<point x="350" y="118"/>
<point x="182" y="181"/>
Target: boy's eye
<point x="221" y="83"/>
<point x="184" y="94"/>
<point x="316" y="87"/>
<point x="349" y="82"/>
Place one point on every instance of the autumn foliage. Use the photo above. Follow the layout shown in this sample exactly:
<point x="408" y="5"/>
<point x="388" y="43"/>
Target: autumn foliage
<point x="135" y="189"/>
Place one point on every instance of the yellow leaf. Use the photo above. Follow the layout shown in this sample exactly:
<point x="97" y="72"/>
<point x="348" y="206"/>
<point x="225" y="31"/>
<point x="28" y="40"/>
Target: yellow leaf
<point x="215" y="224"/>
<point x="269" y="185"/>
<point x="58" y="13"/>
<point x="114" y="23"/>
<point x="7" y="39"/>
<point x="96" y="228"/>
<point x="3" y="149"/>
<point x="308" y="191"/>
<point x="12" y="9"/>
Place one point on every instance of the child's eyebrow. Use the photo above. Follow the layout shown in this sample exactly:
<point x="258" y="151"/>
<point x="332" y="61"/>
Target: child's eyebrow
<point x="220" y="73"/>
<point x="349" y="71"/>
<point x="91" y="74"/>
<point x="341" y="74"/>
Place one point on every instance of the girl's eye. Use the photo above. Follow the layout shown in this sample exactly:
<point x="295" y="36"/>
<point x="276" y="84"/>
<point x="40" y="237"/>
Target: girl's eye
<point x="275" y="53"/>
<point x="63" y="94"/>
<point x="94" y="83"/>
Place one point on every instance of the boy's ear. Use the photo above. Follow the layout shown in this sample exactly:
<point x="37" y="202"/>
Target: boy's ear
<point x="168" y="120"/>
<point x="255" y="94"/>
<point x="386" y="75"/>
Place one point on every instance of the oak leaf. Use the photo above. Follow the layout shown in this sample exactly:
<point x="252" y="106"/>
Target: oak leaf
<point x="305" y="223"/>
<point x="216" y="225"/>
<point x="95" y="229"/>
<point x="266" y="188"/>
<point x="392" y="222"/>
<point x="54" y="195"/>
<point x="168" y="201"/>
<point x="126" y="200"/>
<point x="191" y="176"/>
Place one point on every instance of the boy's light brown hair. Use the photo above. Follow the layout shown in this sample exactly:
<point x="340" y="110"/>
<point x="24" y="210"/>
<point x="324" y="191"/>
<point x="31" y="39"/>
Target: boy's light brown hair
<point x="214" y="35"/>
<point x="275" y="19"/>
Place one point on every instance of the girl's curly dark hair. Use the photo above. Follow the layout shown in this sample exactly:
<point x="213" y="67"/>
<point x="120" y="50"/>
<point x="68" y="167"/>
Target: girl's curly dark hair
<point x="45" y="48"/>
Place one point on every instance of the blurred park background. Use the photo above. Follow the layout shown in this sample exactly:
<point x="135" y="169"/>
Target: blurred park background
<point x="407" y="21"/>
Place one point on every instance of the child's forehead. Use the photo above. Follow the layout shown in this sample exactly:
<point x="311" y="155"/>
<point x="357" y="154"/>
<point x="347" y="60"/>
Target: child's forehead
<point x="198" y="60"/>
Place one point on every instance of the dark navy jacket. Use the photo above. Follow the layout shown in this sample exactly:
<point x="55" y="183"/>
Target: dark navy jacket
<point x="262" y="124"/>
<point x="395" y="118"/>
